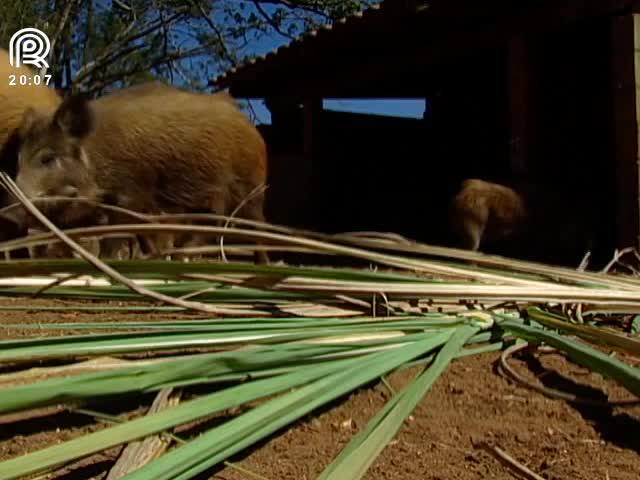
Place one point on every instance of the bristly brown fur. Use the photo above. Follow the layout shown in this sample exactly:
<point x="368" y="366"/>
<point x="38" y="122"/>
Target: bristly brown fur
<point x="485" y="212"/>
<point x="538" y="219"/>
<point x="14" y="101"/>
<point x="151" y="148"/>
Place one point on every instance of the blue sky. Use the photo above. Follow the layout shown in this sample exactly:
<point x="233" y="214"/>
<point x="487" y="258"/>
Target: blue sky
<point x="413" y="108"/>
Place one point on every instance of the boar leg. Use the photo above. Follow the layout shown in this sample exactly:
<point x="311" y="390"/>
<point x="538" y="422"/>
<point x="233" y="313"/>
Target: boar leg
<point x="473" y="234"/>
<point x="56" y="250"/>
<point x="146" y="243"/>
<point x="61" y="250"/>
<point x="254" y="211"/>
<point x="153" y="245"/>
<point x="116" y="248"/>
<point x="186" y="240"/>
<point x="473" y="228"/>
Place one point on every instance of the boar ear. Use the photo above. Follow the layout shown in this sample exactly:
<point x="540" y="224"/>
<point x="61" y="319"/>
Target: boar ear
<point x="74" y="117"/>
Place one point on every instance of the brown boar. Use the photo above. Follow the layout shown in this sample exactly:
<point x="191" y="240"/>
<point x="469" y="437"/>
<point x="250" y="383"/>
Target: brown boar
<point x="15" y="99"/>
<point x="484" y="212"/>
<point x="148" y="148"/>
<point x="537" y="220"/>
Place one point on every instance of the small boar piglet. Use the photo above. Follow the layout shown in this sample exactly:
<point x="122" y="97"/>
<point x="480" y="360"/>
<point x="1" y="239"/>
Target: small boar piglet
<point x="483" y="212"/>
<point x="150" y="148"/>
<point x="538" y="220"/>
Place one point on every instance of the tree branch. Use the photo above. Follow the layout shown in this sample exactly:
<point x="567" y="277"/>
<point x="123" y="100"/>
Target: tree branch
<point x="106" y="57"/>
<point x="165" y="42"/>
<point x="295" y="6"/>
<point x="216" y="30"/>
<point x="172" y="57"/>
<point x="120" y="4"/>
<point x="59" y="29"/>
<point x="270" y="20"/>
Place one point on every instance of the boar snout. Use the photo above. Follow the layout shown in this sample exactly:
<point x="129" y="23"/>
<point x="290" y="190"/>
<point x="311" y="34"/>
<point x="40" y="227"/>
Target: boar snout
<point x="27" y="187"/>
<point x="33" y="191"/>
<point x="68" y="191"/>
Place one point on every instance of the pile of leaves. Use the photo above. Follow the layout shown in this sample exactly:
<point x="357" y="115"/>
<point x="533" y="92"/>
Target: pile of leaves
<point x="282" y="341"/>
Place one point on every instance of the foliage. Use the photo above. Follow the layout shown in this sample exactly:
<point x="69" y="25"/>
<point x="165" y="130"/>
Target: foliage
<point x="101" y="45"/>
<point x="274" y="343"/>
<point x="277" y="365"/>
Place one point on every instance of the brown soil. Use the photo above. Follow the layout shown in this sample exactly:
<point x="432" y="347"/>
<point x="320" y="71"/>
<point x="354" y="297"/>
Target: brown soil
<point x="469" y="405"/>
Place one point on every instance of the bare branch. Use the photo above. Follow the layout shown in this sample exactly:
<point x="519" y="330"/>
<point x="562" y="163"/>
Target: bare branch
<point x="165" y="42"/>
<point x="120" y="4"/>
<point x="215" y="30"/>
<point x="59" y="29"/>
<point x="296" y="6"/>
<point x="125" y="39"/>
<point x="171" y="57"/>
<point x="270" y="20"/>
<point x="182" y="75"/>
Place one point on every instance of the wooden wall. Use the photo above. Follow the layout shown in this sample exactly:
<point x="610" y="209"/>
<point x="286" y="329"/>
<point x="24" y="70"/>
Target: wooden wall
<point x="578" y="118"/>
<point x="368" y="172"/>
<point x="558" y="107"/>
<point x="625" y="66"/>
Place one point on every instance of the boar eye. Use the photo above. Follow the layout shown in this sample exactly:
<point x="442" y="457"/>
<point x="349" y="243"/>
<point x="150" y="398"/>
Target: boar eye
<point x="47" y="159"/>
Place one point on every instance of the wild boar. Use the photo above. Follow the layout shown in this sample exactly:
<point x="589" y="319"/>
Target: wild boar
<point x="15" y="99"/>
<point x="148" y="148"/>
<point x="533" y="219"/>
<point x="484" y="212"/>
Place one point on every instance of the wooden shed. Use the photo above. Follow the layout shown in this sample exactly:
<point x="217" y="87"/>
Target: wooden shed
<point x="534" y="88"/>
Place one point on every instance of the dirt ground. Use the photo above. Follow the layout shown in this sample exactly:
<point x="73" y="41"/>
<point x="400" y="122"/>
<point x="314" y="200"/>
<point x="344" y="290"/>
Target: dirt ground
<point x="469" y="405"/>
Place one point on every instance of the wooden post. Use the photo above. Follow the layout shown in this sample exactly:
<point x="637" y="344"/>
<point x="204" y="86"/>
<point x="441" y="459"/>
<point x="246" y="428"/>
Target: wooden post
<point x="312" y="112"/>
<point x="286" y="161"/>
<point x="312" y="109"/>
<point x="625" y="53"/>
<point x="519" y="71"/>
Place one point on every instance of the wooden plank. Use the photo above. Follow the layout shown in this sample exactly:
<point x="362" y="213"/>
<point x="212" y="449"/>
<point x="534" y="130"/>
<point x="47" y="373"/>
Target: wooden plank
<point x="626" y="112"/>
